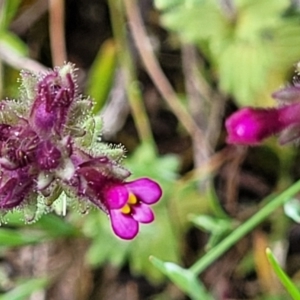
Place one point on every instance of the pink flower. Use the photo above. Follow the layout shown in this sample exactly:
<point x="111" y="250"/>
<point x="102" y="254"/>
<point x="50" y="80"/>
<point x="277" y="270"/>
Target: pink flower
<point x="103" y="183"/>
<point x="128" y="205"/>
<point x="250" y="126"/>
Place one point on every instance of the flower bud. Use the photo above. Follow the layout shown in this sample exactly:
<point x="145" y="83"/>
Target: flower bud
<point x="48" y="156"/>
<point x="249" y="126"/>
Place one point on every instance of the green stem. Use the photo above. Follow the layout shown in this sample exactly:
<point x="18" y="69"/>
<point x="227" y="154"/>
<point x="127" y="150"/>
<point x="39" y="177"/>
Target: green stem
<point x="213" y="200"/>
<point x="131" y="82"/>
<point x="244" y="228"/>
<point x="282" y="276"/>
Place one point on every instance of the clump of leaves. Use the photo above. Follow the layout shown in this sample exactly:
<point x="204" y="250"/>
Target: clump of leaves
<point x="251" y="44"/>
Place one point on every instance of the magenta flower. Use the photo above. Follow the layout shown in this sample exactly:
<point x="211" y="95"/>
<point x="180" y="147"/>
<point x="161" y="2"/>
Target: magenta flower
<point x="250" y="126"/>
<point x="128" y="205"/>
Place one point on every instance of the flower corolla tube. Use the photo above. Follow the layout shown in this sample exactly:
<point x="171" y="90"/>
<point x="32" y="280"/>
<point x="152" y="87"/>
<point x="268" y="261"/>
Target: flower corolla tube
<point x="250" y="126"/>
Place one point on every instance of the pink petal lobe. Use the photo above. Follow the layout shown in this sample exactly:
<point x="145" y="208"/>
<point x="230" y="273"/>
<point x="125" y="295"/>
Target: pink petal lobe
<point x="116" y="196"/>
<point x="145" y="189"/>
<point x="124" y="226"/>
<point x="142" y="213"/>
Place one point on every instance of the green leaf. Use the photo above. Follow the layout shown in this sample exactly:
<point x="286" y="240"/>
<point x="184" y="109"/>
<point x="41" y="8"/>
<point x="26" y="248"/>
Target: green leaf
<point x="292" y="209"/>
<point x="211" y="224"/>
<point x="262" y="10"/>
<point x="47" y="227"/>
<point x="8" y="11"/>
<point x="56" y="226"/>
<point x="183" y="278"/>
<point x="166" y="4"/>
<point x="13" y="43"/>
<point x="282" y="276"/>
<point x="11" y="238"/>
<point x="101" y="75"/>
<point x="243" y="71"/>
<point x="164" y="237"/>
<point x="218" y="228"/>
<point x="287" y="44"/>
<point x="105" y="247"/>
<point x="251" y="49"/>
<point x="143" y="162"/>
<point x="184" y="19"/>
<point x="24" y="290"/>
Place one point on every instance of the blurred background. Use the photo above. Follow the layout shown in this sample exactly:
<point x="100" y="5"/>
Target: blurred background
<point x="164" y="76"/>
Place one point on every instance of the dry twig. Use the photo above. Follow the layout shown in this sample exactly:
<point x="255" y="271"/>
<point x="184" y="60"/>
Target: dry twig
<point x="158" y="77"/>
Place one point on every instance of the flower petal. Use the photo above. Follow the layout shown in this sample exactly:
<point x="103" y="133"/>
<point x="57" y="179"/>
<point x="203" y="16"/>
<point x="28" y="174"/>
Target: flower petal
<point x="145" y="189"/>
<point x="116" y="196"/>
<point x="249" y="126"/>
<point x="142" y="213"/>
<point x="124" y="226"/>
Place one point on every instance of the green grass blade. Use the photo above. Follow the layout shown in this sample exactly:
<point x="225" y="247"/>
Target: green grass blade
<point x="24" y="290"/>
<point x="282" y="276"/>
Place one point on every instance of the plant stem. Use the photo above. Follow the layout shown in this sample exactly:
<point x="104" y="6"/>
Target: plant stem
<point x="131" y="82"/>
<point x="244" y="228"/>
<point x="57" y="32"/>
<point x="159" y="79"/>
<point x="282" y="276"/>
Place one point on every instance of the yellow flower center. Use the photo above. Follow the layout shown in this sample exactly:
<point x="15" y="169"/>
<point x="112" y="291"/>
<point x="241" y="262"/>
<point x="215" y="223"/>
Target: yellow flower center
<point x="132" y="200"/>
<point x="126" y="209"/>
